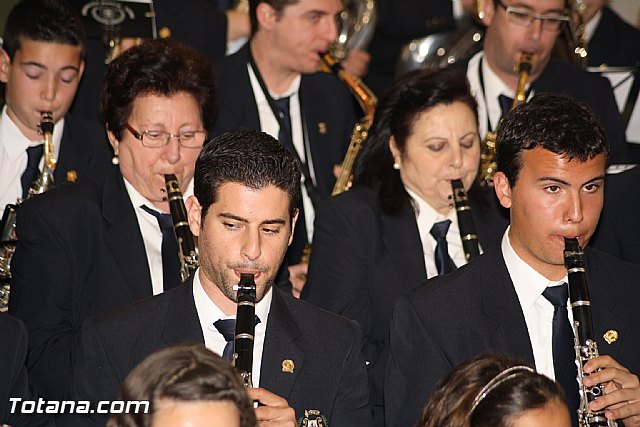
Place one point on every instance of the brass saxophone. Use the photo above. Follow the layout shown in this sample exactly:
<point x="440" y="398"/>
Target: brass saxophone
<point x="187" y="249"/>
<point x="8" y="239"/>
<point x="585" y="346"/>
<point x="488" y="165"/>
<point x="245" y="328"/>
<point x="367" y="100"/>
<point x="465" y="221"/>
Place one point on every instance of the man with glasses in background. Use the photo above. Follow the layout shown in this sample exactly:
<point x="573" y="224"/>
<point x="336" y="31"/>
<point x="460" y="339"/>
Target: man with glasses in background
<point x="515" y="27"/>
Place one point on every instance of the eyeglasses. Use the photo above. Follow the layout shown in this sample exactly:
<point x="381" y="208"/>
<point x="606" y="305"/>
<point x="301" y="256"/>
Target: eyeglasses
<point x="524" y="18"/>
<point x="160" y="138"/>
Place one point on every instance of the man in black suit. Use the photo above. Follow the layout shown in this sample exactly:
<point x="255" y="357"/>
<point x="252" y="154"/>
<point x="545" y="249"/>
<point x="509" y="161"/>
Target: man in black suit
<point x="99" y="245"/>
<point x="12" y="357"/>
<point x="532" y="26"/>
<point x="41" y="63"/>
<point x="307" y="362"/>
<point x="273" y="84"/>
<point x="611" y="41"/>
<point x="551" y="176"/>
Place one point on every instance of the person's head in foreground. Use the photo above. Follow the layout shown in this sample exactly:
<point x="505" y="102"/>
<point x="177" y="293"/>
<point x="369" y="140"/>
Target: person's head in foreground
<point x="495" y="391"/>
<point x="186" y="385"/>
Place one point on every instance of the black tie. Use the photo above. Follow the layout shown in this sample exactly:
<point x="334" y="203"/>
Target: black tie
<point x="170" y="260"/>
<point x="444" y="263"/>
<point x="227" y="327"/>
<point x="34" y="154"/>
<point x="505" y="104"/>
<point x="300" y="238"/>
<point x="564" y="365"/>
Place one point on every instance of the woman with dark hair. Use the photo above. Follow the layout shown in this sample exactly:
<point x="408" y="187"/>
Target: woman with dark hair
<point x="495" y="391"/>
<point x="186" y="386"/>
<point x="376" y="242"/>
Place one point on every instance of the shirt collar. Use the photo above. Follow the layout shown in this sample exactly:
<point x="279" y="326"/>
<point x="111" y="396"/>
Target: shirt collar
<point x="14" y="141"/>
<point x="590" y="27"/>
<point x="425" y="213"/>
<point x="528" y="283"/>
<point x="208" y="312"/>
<point x="138" y="199"/>
<point x="291" y="90"/>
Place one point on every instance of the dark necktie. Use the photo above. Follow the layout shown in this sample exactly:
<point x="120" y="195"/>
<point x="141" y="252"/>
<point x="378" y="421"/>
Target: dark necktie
<point x="227" y="327"/>
<point x="284" y="134"/>
<point x="564" y="365"/>
<point x="300" y="238"/>
<point x="170" y="260"/>
<point x="34" y="154"/>
<point x="505" y="104"/>
<point x="444" y="263"/>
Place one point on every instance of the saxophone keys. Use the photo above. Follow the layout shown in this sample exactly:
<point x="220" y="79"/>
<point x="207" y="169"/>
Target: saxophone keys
<point x="610" y="336"/>
<point x="288" y="366"/>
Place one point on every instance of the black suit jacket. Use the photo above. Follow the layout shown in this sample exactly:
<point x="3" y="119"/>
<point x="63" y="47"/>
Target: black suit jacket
<point x="363" y="260"/>
<point x="615" y="42"/>
<point x="453" y="318"/>
<point x="13" y="353"/>
<point x="592" y="89"/>
<point x="328" y="118"/>
<point x="618" y="233"/>
<point x="80" y="253"/>
<point x="329" y="373"/>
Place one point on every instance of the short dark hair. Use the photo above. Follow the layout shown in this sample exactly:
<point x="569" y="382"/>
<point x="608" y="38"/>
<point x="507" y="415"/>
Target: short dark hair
<point x="51" y="21"/>
<point x="453" y="398"/>
<point x="396" y="113"/>
<point x="156" y="67"/>
<point x="249" y="157"/>
<point x="182" y="373"/>
<point x="277" y="5"/>
<point x="556" y="123"/>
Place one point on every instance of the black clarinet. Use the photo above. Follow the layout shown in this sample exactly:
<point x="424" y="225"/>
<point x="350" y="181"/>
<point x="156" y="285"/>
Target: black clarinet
<point x="465" y="221"/>
<point x="245" y="328"/>
<point x="188" y="253"/>
<point x="585" y="346"/>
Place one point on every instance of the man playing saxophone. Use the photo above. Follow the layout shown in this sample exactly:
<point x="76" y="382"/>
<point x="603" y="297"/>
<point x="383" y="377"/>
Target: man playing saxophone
<point x="513" y="300"/>
<point x="105" y="243"/>
<point x="533" y="27"/>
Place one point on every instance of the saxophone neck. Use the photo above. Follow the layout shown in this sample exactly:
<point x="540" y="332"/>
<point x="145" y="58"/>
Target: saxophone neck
<point x="523" y="69"/>
<point x="45" y="180"/>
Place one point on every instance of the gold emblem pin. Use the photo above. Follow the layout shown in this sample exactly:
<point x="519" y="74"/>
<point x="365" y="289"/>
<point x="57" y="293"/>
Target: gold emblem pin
<point x="610" y="336"/>
<point x="164" y="33"/>
<point x="322" y="128"/>
<point x="288" y="366"/>
<point x="72" y="175"/>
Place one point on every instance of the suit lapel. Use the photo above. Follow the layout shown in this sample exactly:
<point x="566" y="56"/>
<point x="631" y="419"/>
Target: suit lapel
<point x="401" y="237"/>
<point x="509" y="331"/>
<point x="280" y="347"/>
<point x="127" y="248"/>
<point x="181" y="322"/>
<point x="603" y="308"/>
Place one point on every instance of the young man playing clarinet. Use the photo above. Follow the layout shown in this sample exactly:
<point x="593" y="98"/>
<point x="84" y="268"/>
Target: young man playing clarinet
<point x="307" y="363"/>
<point x="513" y="300"/>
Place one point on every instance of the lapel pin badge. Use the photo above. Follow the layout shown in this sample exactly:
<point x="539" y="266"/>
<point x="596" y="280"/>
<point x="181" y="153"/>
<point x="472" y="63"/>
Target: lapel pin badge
<point x="313" y="418"/>
<point x="322" y="128"/>
<point x="610" y="336"/>
<point x="288" y="366"/>
<point x="72" y="175"/>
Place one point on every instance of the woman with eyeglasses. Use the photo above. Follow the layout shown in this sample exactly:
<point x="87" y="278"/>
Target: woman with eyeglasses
<point x="96" y="246"/>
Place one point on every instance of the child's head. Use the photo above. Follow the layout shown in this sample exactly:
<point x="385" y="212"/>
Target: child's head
<point x="41" y="61"/>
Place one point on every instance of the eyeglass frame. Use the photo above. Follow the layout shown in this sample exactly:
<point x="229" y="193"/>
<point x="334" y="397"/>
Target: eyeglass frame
<point x="534" y="16"/>
<point x="140" y="135"/>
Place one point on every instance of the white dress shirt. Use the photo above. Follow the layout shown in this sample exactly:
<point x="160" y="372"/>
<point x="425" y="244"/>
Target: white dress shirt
<point x="13" y="156"/>
<point x="426" y="216"/>
<point x="537" y="310"/>
<point x="151" y="233"/>
<point x="269" y="124"/>
<point x="493" y="88"/>
<point x="209" y="313"/>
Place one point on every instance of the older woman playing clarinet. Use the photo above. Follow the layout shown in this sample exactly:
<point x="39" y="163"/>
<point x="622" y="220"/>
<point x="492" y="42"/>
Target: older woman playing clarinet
<point x="397" y="225"/>
<point x="98" y="246"/>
